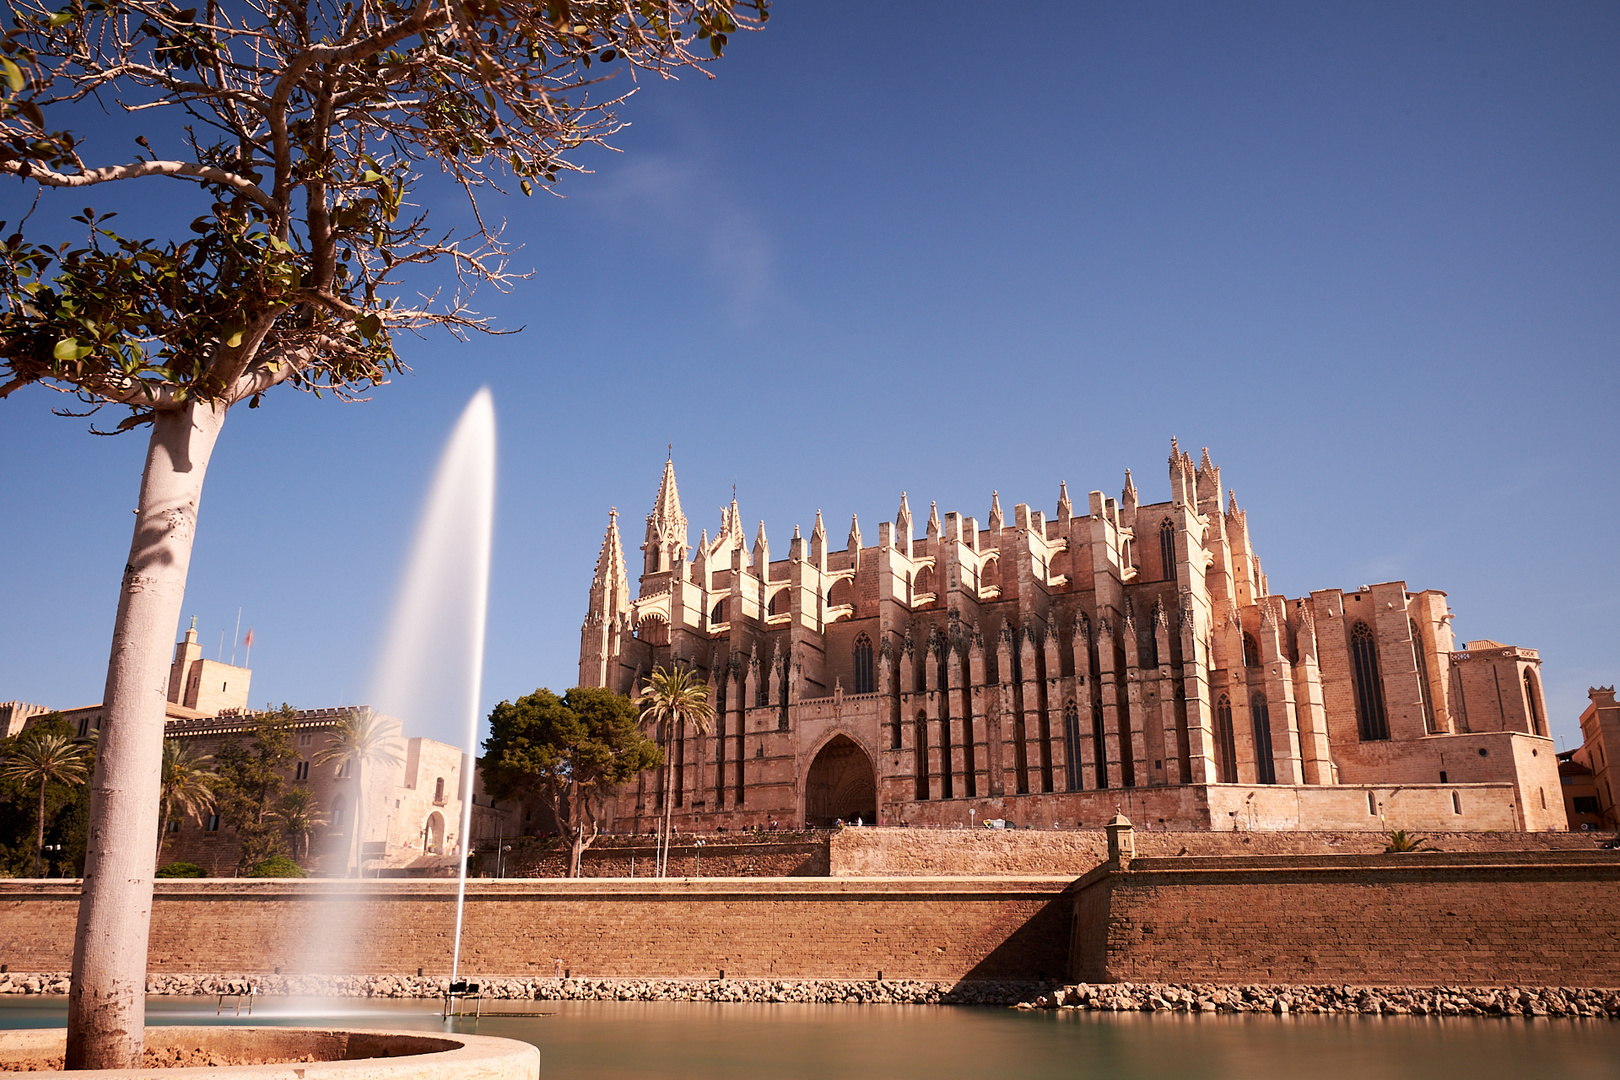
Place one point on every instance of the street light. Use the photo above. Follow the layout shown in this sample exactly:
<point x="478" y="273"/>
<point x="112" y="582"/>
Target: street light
<point x="699" y="857"/>
<point x="500" y="854"/>
<point x="51" y="849"/>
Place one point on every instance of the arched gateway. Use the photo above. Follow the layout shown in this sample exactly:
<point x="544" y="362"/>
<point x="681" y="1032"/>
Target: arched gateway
<point x="841" y="783"/>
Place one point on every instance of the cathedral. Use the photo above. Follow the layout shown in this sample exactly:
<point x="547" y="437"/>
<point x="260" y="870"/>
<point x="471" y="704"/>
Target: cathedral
<point x="1039" y="672"/>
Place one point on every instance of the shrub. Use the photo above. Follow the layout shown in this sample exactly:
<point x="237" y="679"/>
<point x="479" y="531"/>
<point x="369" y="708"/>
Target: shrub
<point x="181" y="869"/>
<point x="1399" y="842"/>
<point x="278" y="866"/>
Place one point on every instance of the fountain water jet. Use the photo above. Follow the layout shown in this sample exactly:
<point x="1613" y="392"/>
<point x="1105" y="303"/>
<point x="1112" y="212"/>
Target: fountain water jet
<point x="431" y="667"/>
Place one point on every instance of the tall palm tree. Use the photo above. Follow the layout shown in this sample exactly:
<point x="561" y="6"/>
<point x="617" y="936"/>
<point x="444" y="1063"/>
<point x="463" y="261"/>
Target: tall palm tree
<point x="188" y="784"/>
<point x="42" y="760"/>
<point x="300" y="815"/>
<point x="672" y="696"/>
<point x="361" y="738"/>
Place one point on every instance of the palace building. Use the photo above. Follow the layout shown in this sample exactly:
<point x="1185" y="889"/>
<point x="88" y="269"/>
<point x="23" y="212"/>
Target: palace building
<point x="1046" y="672"/>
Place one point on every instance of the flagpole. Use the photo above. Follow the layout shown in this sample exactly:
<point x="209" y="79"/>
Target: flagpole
<point x="234" y="637"/>
<point x="247" y="661"/>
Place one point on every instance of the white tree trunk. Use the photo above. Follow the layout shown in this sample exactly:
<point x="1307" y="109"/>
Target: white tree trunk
<point x="107" y="1002"/>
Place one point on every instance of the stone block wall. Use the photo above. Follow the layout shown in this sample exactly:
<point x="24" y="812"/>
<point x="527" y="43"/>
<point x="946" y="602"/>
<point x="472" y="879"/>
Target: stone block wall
<point x="1547" y="918"/>
<point x="924" y="852"/>
<point x="721" y="856"/>
<point x="941" y="931"/>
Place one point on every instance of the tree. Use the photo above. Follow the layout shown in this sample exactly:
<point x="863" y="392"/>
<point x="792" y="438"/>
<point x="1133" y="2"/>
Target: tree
<point x="249" y="780"/>
<point x="42" y="760"/>
<point x="572" y="751"/>
<point x="188" y="784"/>
<point x="673" y="698"/>
<point x="363" y="737"/>
<point x="304" y="127"/>
<point x="300" y="815"/>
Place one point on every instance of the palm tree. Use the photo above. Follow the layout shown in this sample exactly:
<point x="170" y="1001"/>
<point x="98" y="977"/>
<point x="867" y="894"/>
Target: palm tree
<point x="672" y="697"/>
<point x="188" y="784"/>
<point x="361" y="738"/>
<point x="42" y="760"/>
<point x="300" y="815"/>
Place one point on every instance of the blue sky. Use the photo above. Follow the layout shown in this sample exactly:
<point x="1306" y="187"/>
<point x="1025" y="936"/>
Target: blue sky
<point x="1367" y="254"/>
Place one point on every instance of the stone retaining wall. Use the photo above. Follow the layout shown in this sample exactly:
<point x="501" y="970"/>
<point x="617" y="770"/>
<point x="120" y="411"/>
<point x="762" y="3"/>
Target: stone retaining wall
<point x="936" y="930"/>
<point x="1547" y="918"/>
<point x="931" y="852"/>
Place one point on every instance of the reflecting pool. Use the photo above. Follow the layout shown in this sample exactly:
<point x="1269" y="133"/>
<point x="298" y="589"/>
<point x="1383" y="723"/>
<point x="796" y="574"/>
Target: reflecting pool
<point x="701" y="1041"/>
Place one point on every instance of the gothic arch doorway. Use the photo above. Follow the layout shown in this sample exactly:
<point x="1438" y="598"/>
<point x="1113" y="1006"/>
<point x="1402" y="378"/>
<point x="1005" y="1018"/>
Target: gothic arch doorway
<point x="433" y="834"/>
<point x="841" y="783"/>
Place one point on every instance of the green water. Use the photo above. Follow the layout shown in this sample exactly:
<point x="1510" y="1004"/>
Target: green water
<point x="689" y="1041"/>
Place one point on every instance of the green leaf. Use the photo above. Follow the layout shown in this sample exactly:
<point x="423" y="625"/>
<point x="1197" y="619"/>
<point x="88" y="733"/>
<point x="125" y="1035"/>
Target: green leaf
<point x="369" y="325"/>
<point x="72" y="349"/>
<point x="14" y="75"/>
<point x="235" y="339"/>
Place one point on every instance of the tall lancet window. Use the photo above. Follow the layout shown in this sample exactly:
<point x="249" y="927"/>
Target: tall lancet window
<point x="1167" y="549"/>
<point x="1225" y="743"/>
<point x="1371" y="721"/>
<point x="864" y="682"/>
<point x="1430" y="725"/>
<point x="1071" y="746"/>
<point x="1251" y="651"/>
<point x="1265" y="768"/>
<point x="1530" y="696"/>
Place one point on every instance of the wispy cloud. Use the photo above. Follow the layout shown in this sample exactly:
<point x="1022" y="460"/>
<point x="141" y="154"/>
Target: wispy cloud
<point x="674" y="203"/>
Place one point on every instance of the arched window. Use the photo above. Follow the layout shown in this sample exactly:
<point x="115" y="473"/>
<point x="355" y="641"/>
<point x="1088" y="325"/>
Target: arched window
<point x="717" y="614"/>
<point x="1167" y="549"/>
<point x="1251" y="651"/>
<point x="1071" y="746"/>
<point x="1265" y="769"/>
<point x="864" y="682"/>
<point x="779" y="602"/>
<point x="1430" y="725"/>
<point x="921" y="765"/>
<point x="1225" y="744"/>
<point x="438" y="790"/>
<point x="1371" y="722"/>
<point x="1151" y="653"/>
<point x="762" y="688"/>
<point x="1530" y="696"/>
<point x="337" y="813"/>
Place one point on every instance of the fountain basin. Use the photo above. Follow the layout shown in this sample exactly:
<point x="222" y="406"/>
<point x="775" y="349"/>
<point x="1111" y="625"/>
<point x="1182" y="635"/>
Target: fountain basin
<point x="293" y="1054"/>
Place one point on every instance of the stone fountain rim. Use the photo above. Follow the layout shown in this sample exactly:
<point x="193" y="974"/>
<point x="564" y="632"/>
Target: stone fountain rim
<point x="467" y="1056"/>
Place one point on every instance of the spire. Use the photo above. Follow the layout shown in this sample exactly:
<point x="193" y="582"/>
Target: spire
<point x="667" y="513"/>
<point x="1129" y="494"/>
<point x="1065" y="507"/>
<point x="854" y="532"/>
<point x="997" y="521"/>
<point x="933" y="521"/>
<point x="665" y="546"/>
<point x="1175" y="451"/>
<point x="902" y="518"/>
<point x="820" y="529"/>
<point x="1231" y="502"/>
<point x="1204" y="464"/>
<point x="610" y="588"/>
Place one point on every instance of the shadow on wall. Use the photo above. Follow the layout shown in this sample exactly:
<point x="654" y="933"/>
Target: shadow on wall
<point x="1034" y="950"/>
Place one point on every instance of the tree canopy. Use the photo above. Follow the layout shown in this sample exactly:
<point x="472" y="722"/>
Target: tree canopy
<point x="308" y="125"/>
<point x="571" y="751"/>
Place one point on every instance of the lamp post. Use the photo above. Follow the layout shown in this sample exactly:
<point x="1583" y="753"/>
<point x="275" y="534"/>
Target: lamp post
<point x="699" y="856"/>
<point x="500" y="854"/>
<point x="50" y="850"/>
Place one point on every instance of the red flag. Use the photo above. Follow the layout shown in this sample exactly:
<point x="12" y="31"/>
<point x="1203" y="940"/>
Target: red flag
<point x="248" y="641"/>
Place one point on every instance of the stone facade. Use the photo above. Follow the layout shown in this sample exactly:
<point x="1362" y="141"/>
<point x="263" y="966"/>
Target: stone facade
<point x="1044" y="671"/>
<point x="1589" y="773"/>
<point x="413" y="809"/>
